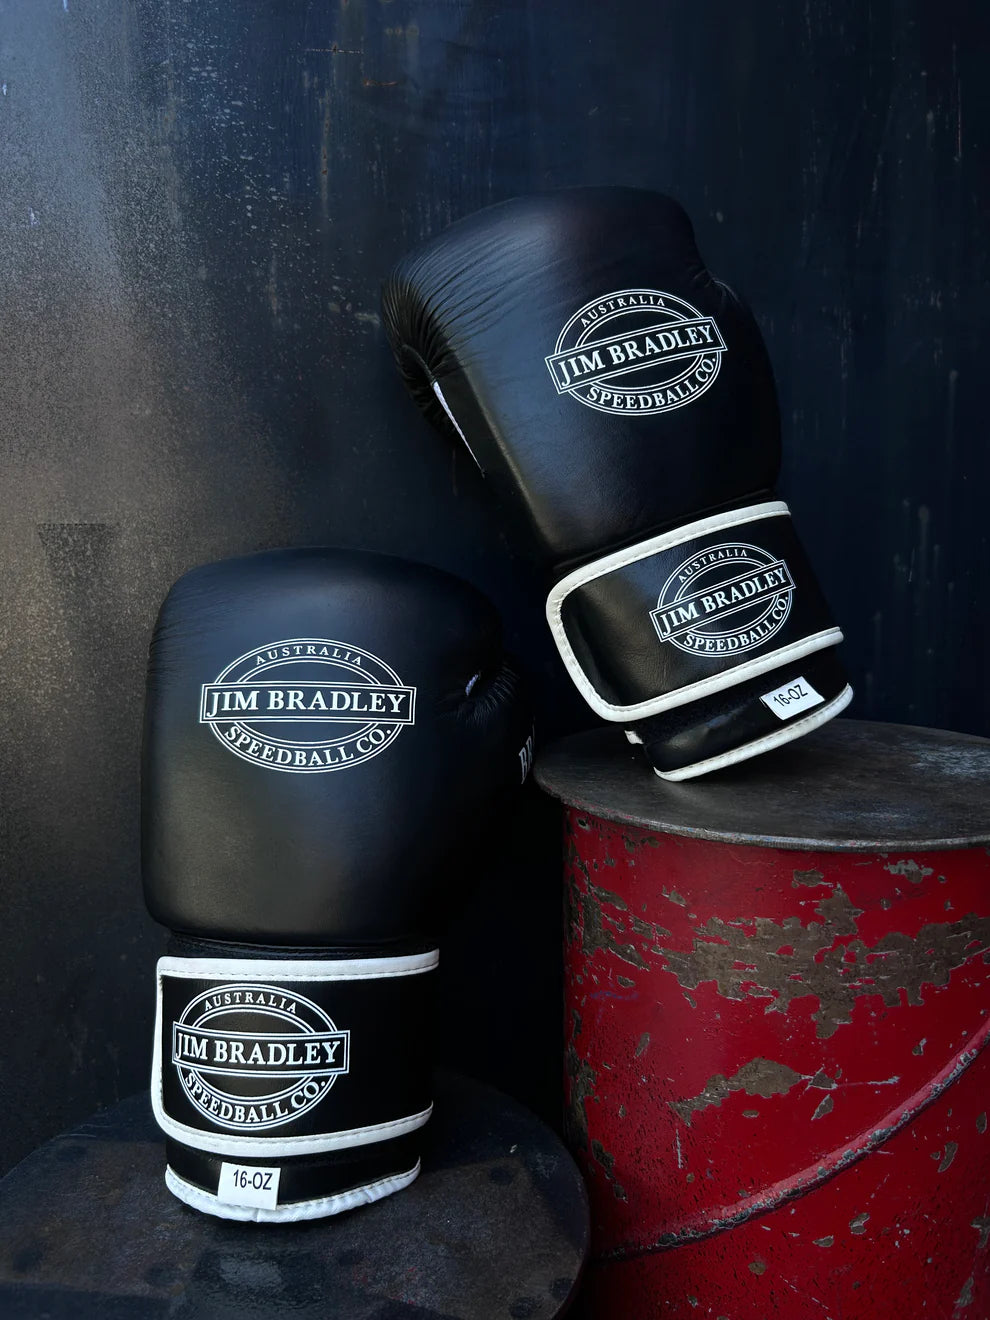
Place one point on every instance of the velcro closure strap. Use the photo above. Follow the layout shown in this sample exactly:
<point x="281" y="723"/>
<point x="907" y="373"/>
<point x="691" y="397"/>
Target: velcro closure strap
<point x="690" y="612"/>
<point x="272" y="1058"/>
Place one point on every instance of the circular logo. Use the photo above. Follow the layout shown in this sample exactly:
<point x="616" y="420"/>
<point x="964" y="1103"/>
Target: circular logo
<point x="639" y="351"/>
<point x="727" y="598"/>
<point x="307" y="705"/>
<point x="252" y="1057"/>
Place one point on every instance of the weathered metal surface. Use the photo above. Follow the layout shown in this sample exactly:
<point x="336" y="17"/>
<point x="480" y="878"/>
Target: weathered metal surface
<point x="852" y="786"/>
<point x="777" y="1074"/>
<point x="496" y="1225"/>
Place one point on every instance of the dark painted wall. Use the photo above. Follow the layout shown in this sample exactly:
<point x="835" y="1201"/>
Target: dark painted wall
<point x="198" y="200"/>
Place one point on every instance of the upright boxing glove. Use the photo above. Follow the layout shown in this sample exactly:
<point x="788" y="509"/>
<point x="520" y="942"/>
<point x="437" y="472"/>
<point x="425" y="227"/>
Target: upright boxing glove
<point x="324" y="731"/>
<point x="621" y="401"/>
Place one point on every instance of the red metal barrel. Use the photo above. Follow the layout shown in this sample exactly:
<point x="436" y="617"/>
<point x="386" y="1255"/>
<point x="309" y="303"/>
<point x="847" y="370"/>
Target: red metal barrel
<point x="777" y="995"/>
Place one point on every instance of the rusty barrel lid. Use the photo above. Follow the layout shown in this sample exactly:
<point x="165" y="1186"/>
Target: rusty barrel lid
<point x="851" y="786"/>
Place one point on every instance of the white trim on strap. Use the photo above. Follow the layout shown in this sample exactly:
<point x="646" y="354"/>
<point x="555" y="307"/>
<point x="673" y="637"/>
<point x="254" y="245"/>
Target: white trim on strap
<point x="718" y="522"/>
<point x="220" y="1143"/>
<point x="298" y="969"/>
<point x="294" y="1211"/>
<point x="704" y="687"/>
<point x="785" y="734"/>
<point x="323" y="971"/>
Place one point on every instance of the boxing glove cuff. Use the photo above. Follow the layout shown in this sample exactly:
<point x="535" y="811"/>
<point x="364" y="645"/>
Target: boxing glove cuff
<point x="690" y="612"/>
<point x="288" y="1087"/>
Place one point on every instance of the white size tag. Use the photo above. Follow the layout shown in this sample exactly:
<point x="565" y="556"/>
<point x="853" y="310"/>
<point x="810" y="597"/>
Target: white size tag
<point x="248" y="1184"/>
<point x="792" y="699"/>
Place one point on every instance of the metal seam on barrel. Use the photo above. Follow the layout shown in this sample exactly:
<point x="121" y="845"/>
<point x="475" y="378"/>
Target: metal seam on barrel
<point x="789" y="1189"/>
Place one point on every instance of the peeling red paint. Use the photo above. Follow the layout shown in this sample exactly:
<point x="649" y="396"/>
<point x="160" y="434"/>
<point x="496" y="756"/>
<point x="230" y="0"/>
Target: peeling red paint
<point x="847" y="993"/>
<point x="758" y="1077"/>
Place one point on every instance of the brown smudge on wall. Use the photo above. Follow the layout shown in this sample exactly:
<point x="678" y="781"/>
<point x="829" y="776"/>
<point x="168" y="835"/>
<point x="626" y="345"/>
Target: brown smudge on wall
<point x="835" y="973"/>
<point x="761" y="1077"/>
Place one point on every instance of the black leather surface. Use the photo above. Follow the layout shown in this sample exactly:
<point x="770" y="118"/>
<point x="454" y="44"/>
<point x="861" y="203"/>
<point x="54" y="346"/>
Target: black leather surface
<point x="237" y="848"/>
<point x="610" y="387"/>
<point x="315" y="1057"/>
<point x="680" y="616"/>
<point x="736" y="716"/>
<point x="481" y="307"/>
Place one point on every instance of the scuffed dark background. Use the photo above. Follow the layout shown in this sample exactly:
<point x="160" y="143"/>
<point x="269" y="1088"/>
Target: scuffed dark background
<point x="197" y="202"/>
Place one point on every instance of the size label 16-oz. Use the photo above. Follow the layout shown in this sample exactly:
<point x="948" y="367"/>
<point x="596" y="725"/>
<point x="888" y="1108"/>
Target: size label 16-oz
<point x="792" y="698"/>
<point x="248" y="1184"/>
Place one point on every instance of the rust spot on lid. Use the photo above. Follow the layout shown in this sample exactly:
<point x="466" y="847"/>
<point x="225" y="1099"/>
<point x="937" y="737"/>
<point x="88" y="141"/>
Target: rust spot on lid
<point x="810" y="878"/>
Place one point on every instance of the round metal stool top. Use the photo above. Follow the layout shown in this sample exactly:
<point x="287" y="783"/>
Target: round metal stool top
<point x="496" y="1225"/>
<point x="852" y="786"/>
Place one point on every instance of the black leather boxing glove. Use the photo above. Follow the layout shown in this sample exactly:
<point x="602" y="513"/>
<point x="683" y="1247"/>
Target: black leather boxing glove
<point x="324" y="730"/>
<point x="620" y="400"/>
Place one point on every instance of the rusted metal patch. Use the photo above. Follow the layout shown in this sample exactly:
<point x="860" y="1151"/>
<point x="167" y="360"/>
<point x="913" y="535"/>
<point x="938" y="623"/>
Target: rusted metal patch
<point x="825" y="1107"/>
<point x="761" y="1077"/>
<point x="965" y="1298"/>
<point x="809" y="878"/>
<point x="911" y="870"/>
<point x="582" y="1081"/>
<point x="586" y="919"/>
<point x="607" y="1163"/>
<point x="788" y="960"/>
<point x="704" y="1224"/>
<point x="948" y="1155"/>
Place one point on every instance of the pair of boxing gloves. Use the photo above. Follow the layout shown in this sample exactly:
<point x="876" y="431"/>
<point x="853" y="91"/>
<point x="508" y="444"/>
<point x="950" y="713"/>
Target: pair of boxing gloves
<point x="327" y="729"/>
